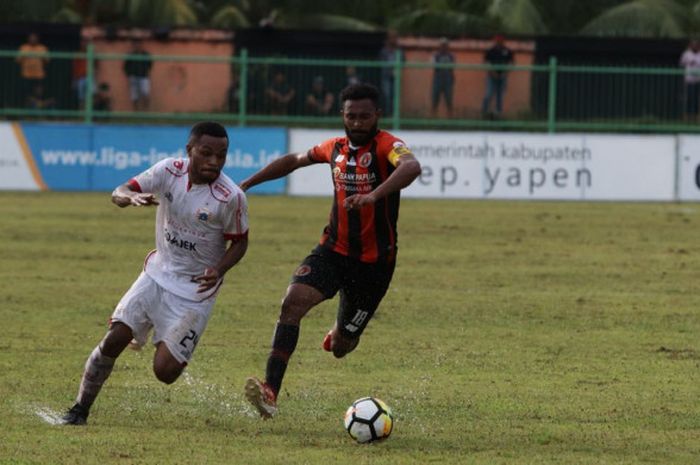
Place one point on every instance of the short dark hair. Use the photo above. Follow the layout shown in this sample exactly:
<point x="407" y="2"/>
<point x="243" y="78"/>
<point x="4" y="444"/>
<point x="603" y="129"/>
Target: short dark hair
<point x="360" y="91"/>
<point x="209" y="128"/>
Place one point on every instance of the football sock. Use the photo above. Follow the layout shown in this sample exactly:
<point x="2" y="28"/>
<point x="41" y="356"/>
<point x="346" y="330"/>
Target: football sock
<point x="284" y="342"/>
<point x="97" y="369"/>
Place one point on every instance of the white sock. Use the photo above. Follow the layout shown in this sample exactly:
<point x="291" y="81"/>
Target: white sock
<point x="97" y="369"/>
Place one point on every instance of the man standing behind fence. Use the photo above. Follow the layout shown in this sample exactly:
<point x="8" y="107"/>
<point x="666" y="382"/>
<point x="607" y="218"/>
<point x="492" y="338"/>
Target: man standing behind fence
<point x="31" y="68"/>
<point x="498" y="54"/>
<point x="388" y="55"/>
<point x="137" y="70"/>
<point x="443" y="78"/>
<point x="690" y="60"/>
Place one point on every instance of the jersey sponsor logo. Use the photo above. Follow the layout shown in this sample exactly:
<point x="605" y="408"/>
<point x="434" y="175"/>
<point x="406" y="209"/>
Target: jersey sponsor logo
<point x="359" y="188"/>
<point x="173" y="240"/>
<point x="354" y="178"/>
<point x="203" y="214"/>
<point x="365" y="159"/>
<point x="172" y="225"/>
<point x="303" y="270"/>
<point x="178" y="164"/>
<point x="340" y="158"/>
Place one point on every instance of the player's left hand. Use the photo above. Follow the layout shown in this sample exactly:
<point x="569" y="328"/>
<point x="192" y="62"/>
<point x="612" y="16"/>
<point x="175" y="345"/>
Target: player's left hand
<point x="357" y="201"/>
<point x="207" y="280"/>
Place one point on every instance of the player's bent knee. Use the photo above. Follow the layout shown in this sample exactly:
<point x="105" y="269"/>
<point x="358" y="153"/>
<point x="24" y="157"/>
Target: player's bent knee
<point x="167" y="375"/>
<point x="116" y="340"/>
<point x="293" y="311"/>
<point x="342" y="346"/>
<point x="166" y="367"/>
<point x="340" y="353"/>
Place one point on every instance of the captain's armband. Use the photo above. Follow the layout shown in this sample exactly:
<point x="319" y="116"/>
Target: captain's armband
<point x="398" y="151"/>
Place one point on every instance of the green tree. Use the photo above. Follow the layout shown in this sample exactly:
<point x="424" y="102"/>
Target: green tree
<point x="642" y="18"/>
<point x="518" y="16"/>
<point x="30" y="10"/>
<point x="629" y="18"/>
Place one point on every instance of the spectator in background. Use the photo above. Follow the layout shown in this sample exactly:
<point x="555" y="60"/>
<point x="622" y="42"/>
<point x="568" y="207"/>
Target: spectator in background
<point x="32" y="69"/>
<point x="496" y="79"/>
<point x="79" y="74"/>
<point x="233" y="94"/>
<point x="38" y="100"/>
<point x="138" y="70"/>
<point x="319" y="100"/>
<point x="690" y="60"/>
<point x="443" y="78"/>
<point x="351" y="76"/>
<point x="102" y="100"/>
<point x="388" y="55"/>
<point x="279" y="93"/>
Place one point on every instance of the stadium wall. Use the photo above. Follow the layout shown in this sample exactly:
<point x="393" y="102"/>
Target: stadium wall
<point x="468" y="165"/>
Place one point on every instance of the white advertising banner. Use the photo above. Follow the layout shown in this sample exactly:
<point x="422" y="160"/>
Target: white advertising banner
<point x="15" y="169"/>
<point x="689" y="168"/>
<point x="315" y="179"/>
<point x="520" y="166"/>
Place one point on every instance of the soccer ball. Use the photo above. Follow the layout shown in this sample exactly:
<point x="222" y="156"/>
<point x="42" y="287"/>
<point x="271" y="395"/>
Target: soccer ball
<point x="369" y="419"/>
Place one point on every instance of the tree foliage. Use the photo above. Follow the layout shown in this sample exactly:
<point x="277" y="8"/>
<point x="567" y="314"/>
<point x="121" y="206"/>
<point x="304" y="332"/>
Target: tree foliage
<point x="629" y="18"/>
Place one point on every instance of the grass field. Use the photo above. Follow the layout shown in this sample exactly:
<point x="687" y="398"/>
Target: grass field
<point x="513" y="333"/>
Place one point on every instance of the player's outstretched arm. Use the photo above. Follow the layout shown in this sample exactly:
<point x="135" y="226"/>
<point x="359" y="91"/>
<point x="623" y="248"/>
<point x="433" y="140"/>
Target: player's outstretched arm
<point x="123" y="196"/>
<point x="407" y="170"/>
<point x="233" y="255"/>
<point x="277" y="169"/>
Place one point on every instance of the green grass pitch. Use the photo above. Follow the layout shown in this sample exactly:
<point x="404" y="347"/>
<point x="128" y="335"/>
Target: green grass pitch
<point x="513" y="333"/>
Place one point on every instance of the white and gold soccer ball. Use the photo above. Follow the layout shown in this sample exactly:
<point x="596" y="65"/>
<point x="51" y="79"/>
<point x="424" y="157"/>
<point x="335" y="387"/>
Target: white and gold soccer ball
<point x="369" y="419"/>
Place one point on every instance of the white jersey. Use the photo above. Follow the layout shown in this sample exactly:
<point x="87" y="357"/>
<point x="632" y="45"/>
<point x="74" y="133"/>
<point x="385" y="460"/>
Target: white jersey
<point x="690" y="60"/>
<point x="193" y="223"/>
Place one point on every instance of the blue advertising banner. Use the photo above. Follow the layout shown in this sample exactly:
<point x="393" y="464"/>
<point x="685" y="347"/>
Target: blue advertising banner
<point x="100" y="157"/>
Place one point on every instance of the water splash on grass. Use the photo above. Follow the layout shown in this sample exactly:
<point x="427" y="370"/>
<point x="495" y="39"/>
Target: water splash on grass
<point x="48" y="415"/>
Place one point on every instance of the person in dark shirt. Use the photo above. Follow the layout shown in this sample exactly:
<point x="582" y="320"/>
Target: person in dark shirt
<point x="138" y="70"/>
<point x="357" y="251"/>
<point x="319" y="100"/>
<point x="496" y="79"/>
<point x="388" y="55"/>
<point x="279" y="93"/>
<point x="443" y="78"/>
<point x="102" y="100"/>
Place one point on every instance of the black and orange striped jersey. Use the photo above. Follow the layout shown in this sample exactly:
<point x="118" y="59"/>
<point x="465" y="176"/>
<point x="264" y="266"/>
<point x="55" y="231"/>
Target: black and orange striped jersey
<point x="368" y="234"/>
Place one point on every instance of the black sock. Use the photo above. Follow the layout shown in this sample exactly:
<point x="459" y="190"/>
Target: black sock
<point x="283" y="344"/>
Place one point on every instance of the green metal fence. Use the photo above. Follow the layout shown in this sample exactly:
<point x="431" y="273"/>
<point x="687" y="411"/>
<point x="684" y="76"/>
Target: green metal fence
<point x="548" y="97"/>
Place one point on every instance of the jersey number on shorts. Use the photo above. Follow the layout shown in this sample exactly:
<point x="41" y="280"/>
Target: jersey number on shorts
<point x="192" y="336"/>
<point x="357" y="321"/>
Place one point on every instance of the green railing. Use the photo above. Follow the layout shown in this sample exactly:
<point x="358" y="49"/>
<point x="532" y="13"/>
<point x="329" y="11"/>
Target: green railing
<point x="549" y="97"/>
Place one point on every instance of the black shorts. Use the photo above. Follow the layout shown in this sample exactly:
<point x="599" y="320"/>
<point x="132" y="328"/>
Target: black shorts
<point x="362" y="285"/>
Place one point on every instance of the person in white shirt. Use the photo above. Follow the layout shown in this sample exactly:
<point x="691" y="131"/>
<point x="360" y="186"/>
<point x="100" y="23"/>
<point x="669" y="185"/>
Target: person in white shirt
<point x="690" y="60"/>
<point x="200" y="210"/>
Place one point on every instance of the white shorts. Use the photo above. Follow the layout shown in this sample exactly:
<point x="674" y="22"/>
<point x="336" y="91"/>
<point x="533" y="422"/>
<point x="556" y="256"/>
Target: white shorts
<point x="139" y="87"/>
<point x="176" y="321"/>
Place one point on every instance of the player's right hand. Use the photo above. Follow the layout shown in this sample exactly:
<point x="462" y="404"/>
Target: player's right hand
<point x="136" y="199"/>
<point x="139" y="199"/>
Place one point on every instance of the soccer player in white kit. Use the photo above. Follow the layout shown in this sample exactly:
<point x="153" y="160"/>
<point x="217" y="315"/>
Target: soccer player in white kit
<point x="200" y="210"/>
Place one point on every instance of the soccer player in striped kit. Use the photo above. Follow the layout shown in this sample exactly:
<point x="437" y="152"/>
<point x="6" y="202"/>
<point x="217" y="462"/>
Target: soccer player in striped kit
<point x="357" y="251"/>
